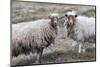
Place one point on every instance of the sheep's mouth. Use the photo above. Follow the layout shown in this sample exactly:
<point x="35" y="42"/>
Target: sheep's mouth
<point x="69" y="31"/>
<point x="68" y="25"/>
<point x="56" y="24"/>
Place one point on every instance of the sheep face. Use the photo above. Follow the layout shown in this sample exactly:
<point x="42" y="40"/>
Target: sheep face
<point x="54" y="20"/>
<point x="70" y="21"/>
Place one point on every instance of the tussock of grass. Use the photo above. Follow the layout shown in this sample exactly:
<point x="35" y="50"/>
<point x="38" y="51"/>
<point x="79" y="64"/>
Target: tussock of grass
<point x="55" y="57"/>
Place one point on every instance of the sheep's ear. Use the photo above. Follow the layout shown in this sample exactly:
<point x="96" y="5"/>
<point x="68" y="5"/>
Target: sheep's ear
<point x="75" y="15"/>
<point x="66" y="15"/>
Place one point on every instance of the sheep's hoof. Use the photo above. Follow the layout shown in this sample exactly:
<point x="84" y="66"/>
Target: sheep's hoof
<point x="38" y="62"/>
<point x="84" y="50"/>
<point x="80" y="51"/>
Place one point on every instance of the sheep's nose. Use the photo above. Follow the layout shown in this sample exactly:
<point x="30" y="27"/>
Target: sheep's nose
<point x="55" y="23"/>
<point x="68" y="25"/>
<point x="70" y="20"/>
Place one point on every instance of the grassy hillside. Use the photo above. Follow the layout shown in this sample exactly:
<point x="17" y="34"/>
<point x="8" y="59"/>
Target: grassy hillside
<point x="26" y="11"/>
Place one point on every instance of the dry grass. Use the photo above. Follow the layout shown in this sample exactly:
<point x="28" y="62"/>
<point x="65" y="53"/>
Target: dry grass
<point x="55" y="57"/>
<point x="26" y="11"/>
<point x="60" y="52"/>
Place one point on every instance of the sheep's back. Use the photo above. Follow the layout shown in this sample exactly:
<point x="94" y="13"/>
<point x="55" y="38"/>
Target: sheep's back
<point x="34" y="34"/>
<point x="85" y="29"/>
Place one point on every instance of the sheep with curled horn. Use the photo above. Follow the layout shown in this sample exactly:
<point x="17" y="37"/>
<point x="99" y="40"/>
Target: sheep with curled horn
<point x="80" y="29"/>
<point x="34" y="35"/>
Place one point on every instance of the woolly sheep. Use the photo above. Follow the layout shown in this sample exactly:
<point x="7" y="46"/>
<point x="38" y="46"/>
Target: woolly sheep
<point x="34" y="35"/>
<point x="80" y="29"/>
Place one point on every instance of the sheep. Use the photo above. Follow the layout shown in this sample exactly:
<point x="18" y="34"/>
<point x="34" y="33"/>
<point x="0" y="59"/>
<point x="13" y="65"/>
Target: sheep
<point x="34" y="35"/>
<point x="80" y="28"/>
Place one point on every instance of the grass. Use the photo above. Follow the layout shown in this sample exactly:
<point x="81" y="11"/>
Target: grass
<point x="60" y="52"/>
<point x="90" y="13"/>
<point x="55" y="57"/>
<point x="26" y="11"/>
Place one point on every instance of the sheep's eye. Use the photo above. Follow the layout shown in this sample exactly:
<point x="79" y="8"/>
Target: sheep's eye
<point x="75" y="15"/>
<point x="66" y="15"/>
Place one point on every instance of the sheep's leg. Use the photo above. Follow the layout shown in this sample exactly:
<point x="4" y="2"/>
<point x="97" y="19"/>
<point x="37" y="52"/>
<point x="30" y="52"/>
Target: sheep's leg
<point x="73" y="44"/>
<point x="83" y="48"/>
<point x="39" y="55"/>
<point x="53" y="43"/>
<point x="80" y="48"/>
